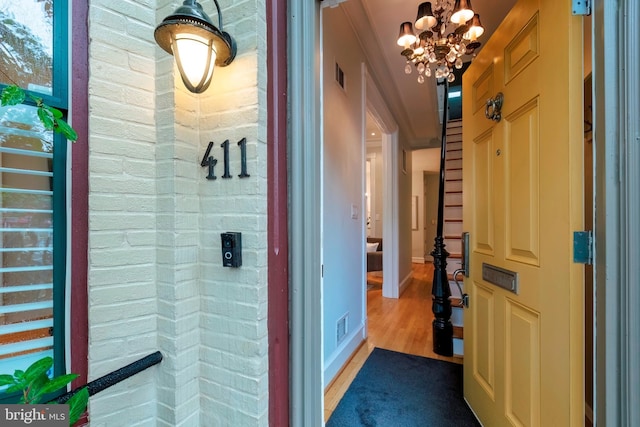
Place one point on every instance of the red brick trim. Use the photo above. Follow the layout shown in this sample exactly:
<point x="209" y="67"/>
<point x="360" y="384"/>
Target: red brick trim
<point x="278" y="276"/>
<point x="80" y="190"/>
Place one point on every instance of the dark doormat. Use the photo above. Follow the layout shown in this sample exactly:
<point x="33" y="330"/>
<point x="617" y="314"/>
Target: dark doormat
<point x="401" y="390"/>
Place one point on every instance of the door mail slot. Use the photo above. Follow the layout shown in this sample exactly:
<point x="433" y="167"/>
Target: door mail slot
<point x="505" y="279"/>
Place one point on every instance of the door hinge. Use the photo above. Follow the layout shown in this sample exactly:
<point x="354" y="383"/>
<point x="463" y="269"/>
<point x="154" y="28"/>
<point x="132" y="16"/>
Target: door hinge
<point x="583" y="247"/>
<point x="581" y="7"/>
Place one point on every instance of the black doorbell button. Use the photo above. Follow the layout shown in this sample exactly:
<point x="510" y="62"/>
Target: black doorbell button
<point x="231" y="249"/>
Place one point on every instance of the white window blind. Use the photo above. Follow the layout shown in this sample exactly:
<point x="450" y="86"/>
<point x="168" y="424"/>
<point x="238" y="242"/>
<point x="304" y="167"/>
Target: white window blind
<point x="26" y="237"/>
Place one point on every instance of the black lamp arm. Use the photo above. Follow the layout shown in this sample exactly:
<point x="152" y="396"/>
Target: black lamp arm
<point x="219" y="14"/>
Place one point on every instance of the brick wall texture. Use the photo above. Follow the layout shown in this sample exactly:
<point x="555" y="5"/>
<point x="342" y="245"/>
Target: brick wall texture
<point x="156" y="280"/>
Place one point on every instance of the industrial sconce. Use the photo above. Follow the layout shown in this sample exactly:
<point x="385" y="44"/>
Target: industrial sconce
<point x="197" y="45"/>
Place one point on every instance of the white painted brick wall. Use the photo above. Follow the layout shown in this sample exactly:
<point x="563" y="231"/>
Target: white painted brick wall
<point x="155" y="274"/>
<point x="123" y="313"/>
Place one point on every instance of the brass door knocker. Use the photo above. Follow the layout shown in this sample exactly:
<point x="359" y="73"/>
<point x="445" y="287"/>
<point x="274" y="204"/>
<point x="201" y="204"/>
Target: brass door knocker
<point x="494" y="106"/>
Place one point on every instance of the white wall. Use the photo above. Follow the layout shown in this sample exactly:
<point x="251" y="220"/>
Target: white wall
<point x="418" y="235"/>
<point x="424" y="161"/>
<point x="123" y="208"/>
<point x="404" y="212"/>
<point x="343" y="187"/>
<point x="155" y="275"/>
<point x="377" y="188"/>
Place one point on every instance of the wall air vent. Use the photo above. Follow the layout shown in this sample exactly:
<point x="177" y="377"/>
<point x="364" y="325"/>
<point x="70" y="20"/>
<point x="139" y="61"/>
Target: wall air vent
<point x="342" y="327"/>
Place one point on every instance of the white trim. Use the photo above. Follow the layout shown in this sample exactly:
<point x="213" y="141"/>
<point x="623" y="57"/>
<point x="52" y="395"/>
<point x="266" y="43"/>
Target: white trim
<point x="306" y="394"/>
<point x="344" y="352"/>
<point x="390" y="228"/>
<point x="418" y="260"/>
<point x="405" y="282"/>
<point x="617" y="183"/>
<point x="628" y="313"/>
<point x="372" y="157"/>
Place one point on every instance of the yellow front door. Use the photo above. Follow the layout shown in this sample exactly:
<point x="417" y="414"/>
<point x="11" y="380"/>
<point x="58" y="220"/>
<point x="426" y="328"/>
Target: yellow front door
<point x="523" y="190"/>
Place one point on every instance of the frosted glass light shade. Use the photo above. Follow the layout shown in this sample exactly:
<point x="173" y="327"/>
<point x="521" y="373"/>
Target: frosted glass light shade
<point x="195" y="58"/>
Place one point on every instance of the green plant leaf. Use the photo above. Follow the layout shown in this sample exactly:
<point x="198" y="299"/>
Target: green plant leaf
<point x="18" y="374"/>
<point x="68" y="132"/>
<point x="14" y="388"/>
<point x="38" y="368"/>
<point x="77" y="405"/>
<point x="7" y="380"/>
<point x="46" y="117"/>
<point x="37" y="388"/>
<point x="54" y="111"/>
<point x="12" y="95"/>
<point x="58" y="382"/>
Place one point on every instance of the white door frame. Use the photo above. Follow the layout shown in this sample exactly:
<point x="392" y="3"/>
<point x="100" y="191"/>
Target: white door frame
<point x="305" y="149"/>
<point x="390" y="228"/>
<point x="617" y="184"/>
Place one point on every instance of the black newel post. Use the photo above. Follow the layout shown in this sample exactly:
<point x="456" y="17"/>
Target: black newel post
<point x="442" y="327"/>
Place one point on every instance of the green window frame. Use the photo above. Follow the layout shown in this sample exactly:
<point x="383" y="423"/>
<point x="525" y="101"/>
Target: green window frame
<point x="58" y="161"/>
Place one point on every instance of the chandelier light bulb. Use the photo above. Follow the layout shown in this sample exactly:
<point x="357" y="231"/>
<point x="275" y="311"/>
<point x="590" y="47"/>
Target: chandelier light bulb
<point x="420" y="79"/>
<point x="451" y="78"/>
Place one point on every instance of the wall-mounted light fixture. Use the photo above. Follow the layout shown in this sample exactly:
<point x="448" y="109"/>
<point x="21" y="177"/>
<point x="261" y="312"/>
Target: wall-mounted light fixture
<point x="197" y="45"/>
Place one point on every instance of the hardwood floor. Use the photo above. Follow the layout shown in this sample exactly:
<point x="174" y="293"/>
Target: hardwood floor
<point x="402" y="325"/>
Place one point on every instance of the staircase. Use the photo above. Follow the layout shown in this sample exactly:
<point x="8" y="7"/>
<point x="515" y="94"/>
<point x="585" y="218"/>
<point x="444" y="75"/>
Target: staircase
<point x="453" y="225"/>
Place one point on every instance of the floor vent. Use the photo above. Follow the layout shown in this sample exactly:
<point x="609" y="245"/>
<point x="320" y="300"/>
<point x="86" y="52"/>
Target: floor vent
<point x="341" y="328"/>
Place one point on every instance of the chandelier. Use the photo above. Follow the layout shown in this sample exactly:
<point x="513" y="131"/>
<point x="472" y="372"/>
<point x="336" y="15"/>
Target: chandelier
<point x="448" y="31"/>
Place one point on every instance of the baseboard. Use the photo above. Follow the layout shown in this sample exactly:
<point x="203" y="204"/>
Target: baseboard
<point x="343" y="354"/>
<point x="417" y="260"/>
<point x="405" y="283"/>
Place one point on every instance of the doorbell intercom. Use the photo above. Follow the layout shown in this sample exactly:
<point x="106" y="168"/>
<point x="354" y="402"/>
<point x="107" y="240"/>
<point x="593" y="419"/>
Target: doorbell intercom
<point x="231" y="249"/>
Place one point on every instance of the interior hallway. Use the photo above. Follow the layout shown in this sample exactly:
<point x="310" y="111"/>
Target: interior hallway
<point x="402" y="325"/>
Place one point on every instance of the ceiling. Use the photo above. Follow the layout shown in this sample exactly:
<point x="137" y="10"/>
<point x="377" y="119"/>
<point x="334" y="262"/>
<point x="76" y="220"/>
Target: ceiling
<point x="414" y="105"/>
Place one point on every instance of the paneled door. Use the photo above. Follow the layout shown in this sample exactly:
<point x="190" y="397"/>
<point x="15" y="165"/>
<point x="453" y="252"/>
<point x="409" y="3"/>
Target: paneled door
<point x="523" y="199"/>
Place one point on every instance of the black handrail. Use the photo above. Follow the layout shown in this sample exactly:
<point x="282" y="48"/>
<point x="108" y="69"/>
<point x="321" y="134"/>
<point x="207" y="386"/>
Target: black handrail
<point x="441" y="306"/>
<point x="115" y="377"/>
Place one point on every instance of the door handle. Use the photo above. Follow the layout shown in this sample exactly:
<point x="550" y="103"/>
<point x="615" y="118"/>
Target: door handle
<point x="464" y="298"/>
<point x="494" y="108"/>
<point x="465" y="253"/>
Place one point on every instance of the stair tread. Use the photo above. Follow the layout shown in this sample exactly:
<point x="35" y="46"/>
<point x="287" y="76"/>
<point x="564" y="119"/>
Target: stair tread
<point x="458" y="332"/>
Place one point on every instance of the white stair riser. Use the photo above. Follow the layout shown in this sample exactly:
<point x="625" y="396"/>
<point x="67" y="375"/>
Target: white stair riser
<point x="453" y="186"/>
<point x="458" y="347"/>
<point x="453" y="246"/>
<point x="453" y="199"/>
<point x="452" y="228"/>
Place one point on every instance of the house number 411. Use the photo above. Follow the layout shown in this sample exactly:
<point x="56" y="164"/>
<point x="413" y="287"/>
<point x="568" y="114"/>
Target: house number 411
<point x="210" y="162"/>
